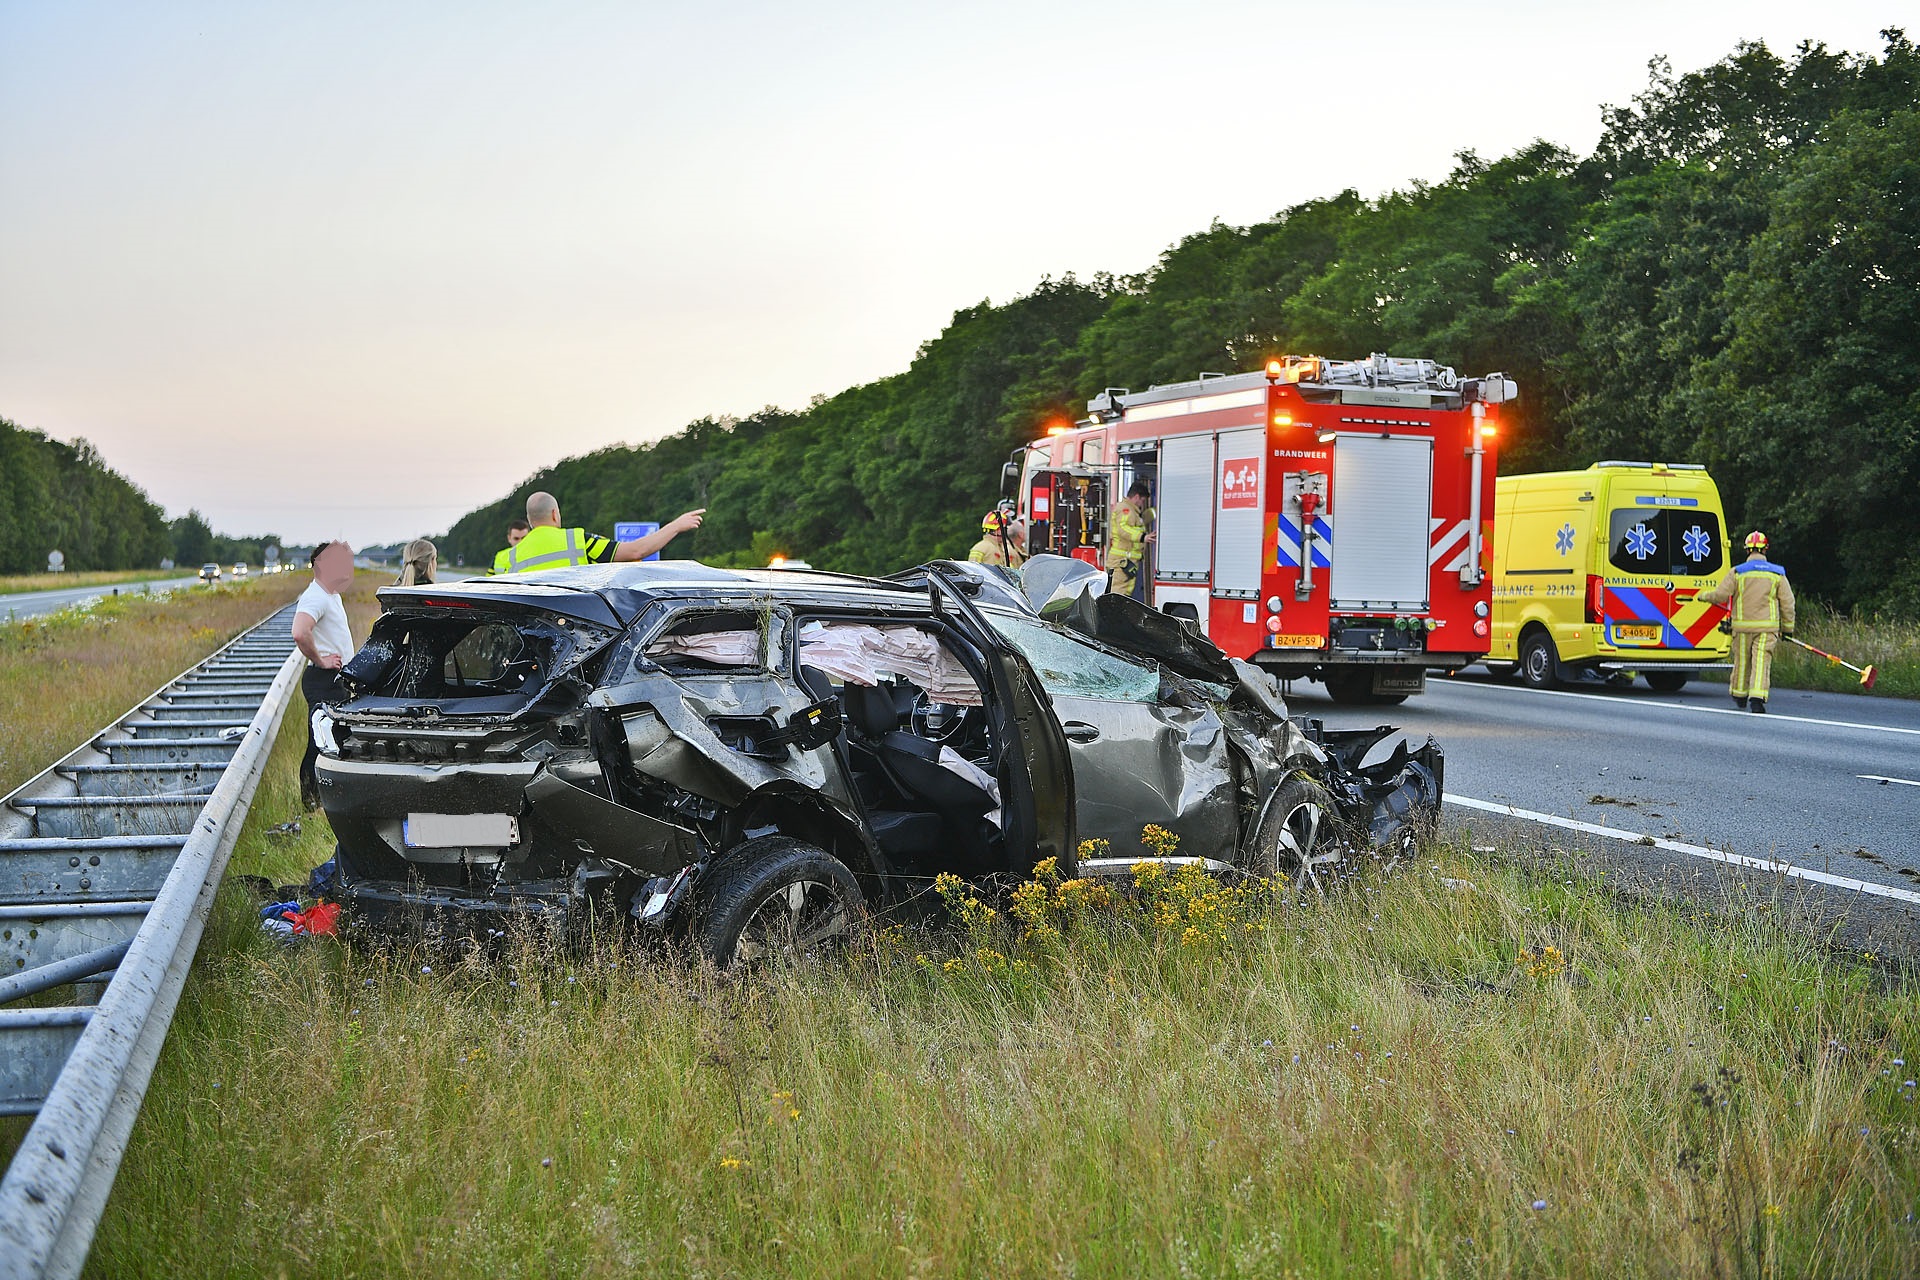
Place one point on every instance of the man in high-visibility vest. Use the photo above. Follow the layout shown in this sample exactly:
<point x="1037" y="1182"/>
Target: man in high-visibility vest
<point x="1761" y="611"/>
<point x="549" y="546"/>
<point x="516" y="530"/>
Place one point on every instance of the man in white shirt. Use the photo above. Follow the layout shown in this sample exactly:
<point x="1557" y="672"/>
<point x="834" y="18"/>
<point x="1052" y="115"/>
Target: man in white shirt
<point x="321" y="633"/>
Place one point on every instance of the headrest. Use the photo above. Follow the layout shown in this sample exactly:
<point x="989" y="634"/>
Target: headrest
<point x="870" y="708"/>
<point x="816" y="682"/>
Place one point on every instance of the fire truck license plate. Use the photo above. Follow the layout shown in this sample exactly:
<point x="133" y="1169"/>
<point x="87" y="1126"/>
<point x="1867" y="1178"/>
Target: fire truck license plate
<point x="1635" y="635"/>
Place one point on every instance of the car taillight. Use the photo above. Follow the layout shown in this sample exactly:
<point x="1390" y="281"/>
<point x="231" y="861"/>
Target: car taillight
<point x="1596" y="599"/>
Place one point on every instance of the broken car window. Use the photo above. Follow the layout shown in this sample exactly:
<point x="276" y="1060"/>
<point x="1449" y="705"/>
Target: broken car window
<point x="1075" y="669"/>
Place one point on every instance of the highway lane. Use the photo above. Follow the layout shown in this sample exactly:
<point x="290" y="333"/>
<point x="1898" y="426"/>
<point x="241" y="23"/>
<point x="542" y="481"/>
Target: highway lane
<point x="28" y="604"/>
<point x="1827" y="782"/>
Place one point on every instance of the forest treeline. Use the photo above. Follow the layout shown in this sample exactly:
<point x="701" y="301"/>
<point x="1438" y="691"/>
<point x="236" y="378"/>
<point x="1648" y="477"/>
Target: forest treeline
<point x="1731" y="277"/>
<point x="63" y="497"/>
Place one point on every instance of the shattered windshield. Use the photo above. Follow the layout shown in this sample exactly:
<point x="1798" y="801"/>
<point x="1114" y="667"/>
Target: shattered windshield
<point x="1074" y="668"/>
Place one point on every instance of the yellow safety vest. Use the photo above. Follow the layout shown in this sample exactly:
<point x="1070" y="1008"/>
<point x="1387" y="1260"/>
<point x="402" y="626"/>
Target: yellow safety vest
<point x="500" y="560"/>
<point x="548" y="546"/>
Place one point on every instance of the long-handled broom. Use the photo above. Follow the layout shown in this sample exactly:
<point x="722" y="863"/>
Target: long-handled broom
<point x="1868" y="673"/>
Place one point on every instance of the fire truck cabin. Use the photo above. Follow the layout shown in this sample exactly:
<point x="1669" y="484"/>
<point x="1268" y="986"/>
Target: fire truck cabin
<point x="1326" y="519"/>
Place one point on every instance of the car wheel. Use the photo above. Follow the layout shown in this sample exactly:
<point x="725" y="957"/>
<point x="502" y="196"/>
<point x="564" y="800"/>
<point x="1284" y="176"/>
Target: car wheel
<point x="1666" y="681"/>
<point x="776" y="897"/>
<point x="1297" y="837"/>
<point x="1538" y="660"/>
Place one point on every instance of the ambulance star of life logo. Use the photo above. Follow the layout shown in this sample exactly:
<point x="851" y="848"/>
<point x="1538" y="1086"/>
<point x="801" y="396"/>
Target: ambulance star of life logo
<point x="1698" y="543"/>
<point x="1640" y="542"/>
<point x="1563" y="540"/>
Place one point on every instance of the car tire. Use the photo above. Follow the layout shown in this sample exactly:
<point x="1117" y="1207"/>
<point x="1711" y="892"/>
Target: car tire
<point x="1538" y="661"/>
<point x="1666" y="681"/>
<point x="775" y="897"/>
<point x="1298" y="827"/>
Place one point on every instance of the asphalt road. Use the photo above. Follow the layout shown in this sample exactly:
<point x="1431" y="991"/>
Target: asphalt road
<point x="27" y="604"/>
<point x="1828" y="784"/>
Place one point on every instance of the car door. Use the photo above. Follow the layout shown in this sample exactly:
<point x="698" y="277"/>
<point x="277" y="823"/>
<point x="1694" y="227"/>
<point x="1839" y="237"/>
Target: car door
<point x="1138" y="757"/>
<point x="1037" y="775"/>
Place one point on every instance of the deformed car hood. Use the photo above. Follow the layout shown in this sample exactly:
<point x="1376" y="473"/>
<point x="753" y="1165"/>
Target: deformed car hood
<point x="1124" y="623"/>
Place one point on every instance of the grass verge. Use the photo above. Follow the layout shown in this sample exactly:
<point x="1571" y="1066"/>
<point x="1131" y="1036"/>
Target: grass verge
<point x="66" y="675"/>
<point x="1412" y="1078"/>
<point x="14" y="583"/>
<point x="1890" y="644"/>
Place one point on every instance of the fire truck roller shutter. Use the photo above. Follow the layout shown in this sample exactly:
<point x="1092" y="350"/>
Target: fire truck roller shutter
<point x="1239" y="514"/>
<point x="1382" y="499"/>
<point x="1185" y="533"/>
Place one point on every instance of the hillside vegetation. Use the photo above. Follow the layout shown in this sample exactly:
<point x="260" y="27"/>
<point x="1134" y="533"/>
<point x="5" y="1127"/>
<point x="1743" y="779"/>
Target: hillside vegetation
<point x="1731" y="277"/>
<point x="56" y="496"/>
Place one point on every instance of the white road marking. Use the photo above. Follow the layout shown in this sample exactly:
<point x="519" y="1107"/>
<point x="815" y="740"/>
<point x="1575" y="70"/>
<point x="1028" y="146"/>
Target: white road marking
<point x="1692" y="850"/>
<point x="1684" y="706"/>
<point x="1874" y="777"/>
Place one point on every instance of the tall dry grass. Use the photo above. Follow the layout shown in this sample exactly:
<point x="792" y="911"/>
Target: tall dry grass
<point x="1412" y="1078"/>
<point x="12" y="583"/>
<point x="66" y="675"/>
<point x="1890" y="644"/>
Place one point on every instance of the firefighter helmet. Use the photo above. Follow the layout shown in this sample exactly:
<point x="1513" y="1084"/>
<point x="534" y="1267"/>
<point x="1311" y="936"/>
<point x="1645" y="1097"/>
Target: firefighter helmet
<point x="1756" y="541"/>
<point x="994" y="522"/>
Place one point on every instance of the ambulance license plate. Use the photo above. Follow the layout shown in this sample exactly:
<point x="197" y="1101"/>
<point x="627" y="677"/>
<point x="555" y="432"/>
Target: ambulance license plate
<point x="461" y="830"/>
<point x="1635" y="635"/>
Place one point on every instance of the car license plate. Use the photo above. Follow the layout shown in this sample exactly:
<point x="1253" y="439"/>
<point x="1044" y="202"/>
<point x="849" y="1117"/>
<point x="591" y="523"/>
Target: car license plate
<point x="1635" y="635"/>
<point x="461" y="830"/>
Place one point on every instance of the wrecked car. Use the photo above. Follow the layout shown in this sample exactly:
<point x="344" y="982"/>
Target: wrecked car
<point x="753" y="760"/>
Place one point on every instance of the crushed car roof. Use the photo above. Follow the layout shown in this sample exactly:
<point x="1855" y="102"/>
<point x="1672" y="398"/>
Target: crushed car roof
<point x="616" y="594"/>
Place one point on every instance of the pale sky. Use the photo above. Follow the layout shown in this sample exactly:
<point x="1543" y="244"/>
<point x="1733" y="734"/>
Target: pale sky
<point x="352" y="270"/>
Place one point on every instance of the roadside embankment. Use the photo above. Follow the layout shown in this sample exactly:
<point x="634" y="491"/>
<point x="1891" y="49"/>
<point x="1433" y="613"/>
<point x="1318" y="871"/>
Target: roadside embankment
<point x="14" y="584"/>
<point x="1890" y="645"/>
<point x="1466" y="1066"/>
<point x="64" y="675"/>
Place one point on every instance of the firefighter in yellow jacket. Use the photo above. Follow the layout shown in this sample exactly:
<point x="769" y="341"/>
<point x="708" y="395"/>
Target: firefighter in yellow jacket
<point x="1127" y="543"/>
<point x="1000" y="541"/>
<point x="1761" y="607"/>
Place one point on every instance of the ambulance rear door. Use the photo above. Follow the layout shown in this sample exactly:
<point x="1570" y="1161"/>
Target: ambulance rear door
<point x="1665" y="542"/>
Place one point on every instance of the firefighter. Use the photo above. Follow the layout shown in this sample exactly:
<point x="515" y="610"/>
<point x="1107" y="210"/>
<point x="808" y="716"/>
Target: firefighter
<point x="1760" y="605"/>
<point x="549" y="546"/>
<point x="1127" y="544"/>
<point x="998" y="543"/>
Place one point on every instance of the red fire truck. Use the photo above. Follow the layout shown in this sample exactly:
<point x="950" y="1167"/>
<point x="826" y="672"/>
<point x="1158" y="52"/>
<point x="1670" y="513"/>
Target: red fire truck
<point x="1327" y="519"/>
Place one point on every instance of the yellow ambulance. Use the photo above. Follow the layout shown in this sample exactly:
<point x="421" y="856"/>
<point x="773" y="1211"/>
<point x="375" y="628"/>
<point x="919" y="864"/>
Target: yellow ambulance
<point x="1597" y="570"/>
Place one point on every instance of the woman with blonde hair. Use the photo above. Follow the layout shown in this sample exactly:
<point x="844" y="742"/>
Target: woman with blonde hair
<point x="418" y="563"/>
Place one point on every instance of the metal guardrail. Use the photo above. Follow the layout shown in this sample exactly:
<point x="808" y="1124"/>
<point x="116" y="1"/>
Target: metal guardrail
<point x="108" y="865"/>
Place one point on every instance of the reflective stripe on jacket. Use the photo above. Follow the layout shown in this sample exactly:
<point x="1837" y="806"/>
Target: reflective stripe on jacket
<point x="1756" y="594"/>
<point x="1129" y="533"/>
<point x="548" y="546"/>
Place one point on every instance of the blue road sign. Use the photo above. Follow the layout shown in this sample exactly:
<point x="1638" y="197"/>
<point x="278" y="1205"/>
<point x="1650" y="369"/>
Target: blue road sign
<point x="633" y="530"/>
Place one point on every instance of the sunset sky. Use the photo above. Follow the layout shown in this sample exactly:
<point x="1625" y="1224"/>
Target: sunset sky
<point x="353" y="270"/>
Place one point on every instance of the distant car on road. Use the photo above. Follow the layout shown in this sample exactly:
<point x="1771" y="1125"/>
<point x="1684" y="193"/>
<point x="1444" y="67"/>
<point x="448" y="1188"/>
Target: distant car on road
<point x="210" y="572"/>
<point x="240" y="569"/>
